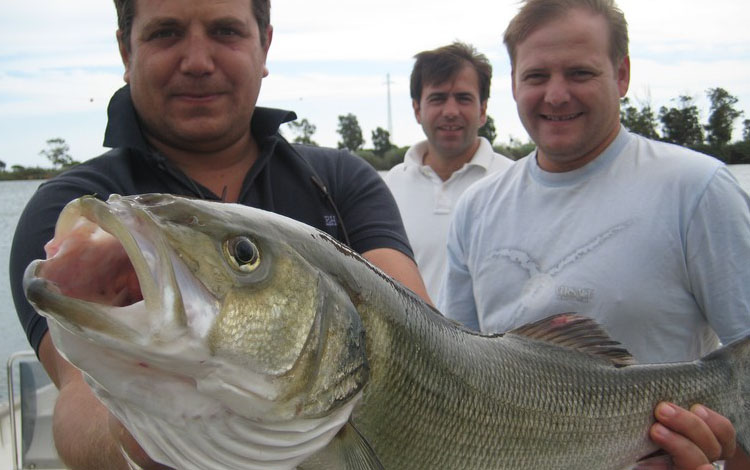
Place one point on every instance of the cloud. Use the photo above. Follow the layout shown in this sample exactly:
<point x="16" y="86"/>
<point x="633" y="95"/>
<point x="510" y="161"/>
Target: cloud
<point x="330" y="58"/>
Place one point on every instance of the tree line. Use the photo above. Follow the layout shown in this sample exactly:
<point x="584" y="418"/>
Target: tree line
<point x="57" y="152"/>
<point x="384" y="154"/>
<point x="678" y="124"/>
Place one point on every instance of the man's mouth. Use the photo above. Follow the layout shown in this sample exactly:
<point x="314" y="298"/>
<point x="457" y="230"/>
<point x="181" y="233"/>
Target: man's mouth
<point x="197" y="96"/>
<point x="561" y="117"/>
<point x="453" y="128"/>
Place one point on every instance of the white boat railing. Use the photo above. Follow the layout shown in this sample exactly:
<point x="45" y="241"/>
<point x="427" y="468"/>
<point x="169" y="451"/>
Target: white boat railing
<point x="32" y="443"/>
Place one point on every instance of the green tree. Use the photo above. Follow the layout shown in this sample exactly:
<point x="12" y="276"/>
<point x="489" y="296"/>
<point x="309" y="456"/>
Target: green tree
<point x="350" y="132"/>
<point x="681" y="125"/>
<point x="58" y="152"/>
<point x="488" y="130"/>
<point x="515" y="149"/>
<point x="2" y="165"/>
<point x="304" y="131"/>
<point x="746" y="130"/>
<point x="381" y="141"/>
<point x="722" y="117"/>
<point x="642" y="122"/>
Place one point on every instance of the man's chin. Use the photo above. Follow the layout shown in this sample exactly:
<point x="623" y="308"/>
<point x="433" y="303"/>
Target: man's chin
<point x="201" y="137"/>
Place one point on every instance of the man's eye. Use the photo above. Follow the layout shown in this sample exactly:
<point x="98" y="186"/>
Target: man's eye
<point x="582" y="74"/>
<point x="534" y="78"/>
<point x="163" y="34"/>
<point x="226" y="32"/>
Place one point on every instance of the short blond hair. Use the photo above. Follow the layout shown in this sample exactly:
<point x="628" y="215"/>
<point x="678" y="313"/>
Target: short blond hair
<point x="535" y="13"/>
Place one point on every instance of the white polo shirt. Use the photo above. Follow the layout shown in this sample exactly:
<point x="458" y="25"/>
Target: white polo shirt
<point x="426" y="203"/>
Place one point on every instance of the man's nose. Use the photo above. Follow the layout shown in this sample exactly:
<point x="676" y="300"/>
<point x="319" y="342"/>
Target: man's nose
<point x="557" y="92"/>
<point x="451" y="108"/>
<point x="198" y="55"/>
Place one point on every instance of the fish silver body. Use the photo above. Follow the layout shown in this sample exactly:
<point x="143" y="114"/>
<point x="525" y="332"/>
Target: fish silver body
<point x="254" y="341"/>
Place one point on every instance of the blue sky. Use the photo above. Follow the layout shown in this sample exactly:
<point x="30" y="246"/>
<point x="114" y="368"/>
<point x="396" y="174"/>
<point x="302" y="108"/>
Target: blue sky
<point x="59" y="63"/>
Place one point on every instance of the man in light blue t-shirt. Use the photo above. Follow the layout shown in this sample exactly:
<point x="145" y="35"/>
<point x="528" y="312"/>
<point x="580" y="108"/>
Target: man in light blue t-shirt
<point x="649" y="239"/>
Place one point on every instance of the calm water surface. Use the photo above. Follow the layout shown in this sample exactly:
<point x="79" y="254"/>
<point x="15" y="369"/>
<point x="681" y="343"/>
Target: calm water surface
<point x="13" y="197"/>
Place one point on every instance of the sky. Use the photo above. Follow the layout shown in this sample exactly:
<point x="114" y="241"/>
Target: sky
<point x="59" y="63"/>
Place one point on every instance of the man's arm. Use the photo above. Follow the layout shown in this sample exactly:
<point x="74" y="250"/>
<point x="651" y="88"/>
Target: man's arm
<point x="400" y="267"/>
<point x="80" y="420"/>
<point x="81" y="423"/>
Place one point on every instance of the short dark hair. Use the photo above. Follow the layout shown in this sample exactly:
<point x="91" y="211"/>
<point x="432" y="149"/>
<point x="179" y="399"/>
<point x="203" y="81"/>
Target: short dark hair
<point x="126" y="13"/>
<point x="536" y="13"/>
<point x="444" y="63"/>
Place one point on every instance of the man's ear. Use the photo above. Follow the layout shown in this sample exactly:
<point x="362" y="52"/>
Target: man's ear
<point x="269" y="37"/>
<point x="483" y="112"/>
<point x="623" y="76"/>
<point x="124" y="55"/>
<point x="416" y="108"/>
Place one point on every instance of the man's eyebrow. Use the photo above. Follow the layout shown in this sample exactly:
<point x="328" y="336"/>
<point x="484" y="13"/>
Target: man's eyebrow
<point x="229" y="21"/>
<point x="161" y="22"/>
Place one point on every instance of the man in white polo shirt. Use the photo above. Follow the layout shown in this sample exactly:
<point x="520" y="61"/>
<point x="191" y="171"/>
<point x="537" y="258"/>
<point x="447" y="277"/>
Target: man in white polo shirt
<point x="450" y="87"/>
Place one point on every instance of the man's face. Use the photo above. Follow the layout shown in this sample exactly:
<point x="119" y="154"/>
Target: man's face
<point x="568" y="91"/>
<point x="451" y="114"/>
<point x="195" y="69"/>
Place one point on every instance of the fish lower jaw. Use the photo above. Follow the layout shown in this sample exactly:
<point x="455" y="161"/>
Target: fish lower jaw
<point x="187" y="441"/>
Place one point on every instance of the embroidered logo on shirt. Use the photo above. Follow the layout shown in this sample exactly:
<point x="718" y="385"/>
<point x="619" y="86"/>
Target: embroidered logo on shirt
<point x="583" y="295"/>
<point x="330" y="220"/>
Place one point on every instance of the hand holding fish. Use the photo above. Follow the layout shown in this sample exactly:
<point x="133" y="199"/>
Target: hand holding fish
<point x="694" y="438"/>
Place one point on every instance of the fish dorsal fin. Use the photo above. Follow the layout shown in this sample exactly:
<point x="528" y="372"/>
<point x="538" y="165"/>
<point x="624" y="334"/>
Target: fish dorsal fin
<point x="577" y="332"/>
<point x="348" y="450"/>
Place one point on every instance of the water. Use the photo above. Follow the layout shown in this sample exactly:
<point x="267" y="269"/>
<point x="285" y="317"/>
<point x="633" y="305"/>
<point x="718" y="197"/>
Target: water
<point x="13" y="197"/>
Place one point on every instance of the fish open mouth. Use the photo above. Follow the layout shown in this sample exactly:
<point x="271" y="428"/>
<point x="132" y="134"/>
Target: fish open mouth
<point x="108" y="270"/>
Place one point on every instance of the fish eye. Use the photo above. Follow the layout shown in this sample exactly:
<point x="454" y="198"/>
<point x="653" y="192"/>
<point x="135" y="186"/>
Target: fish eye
<point x="242" y="253"/>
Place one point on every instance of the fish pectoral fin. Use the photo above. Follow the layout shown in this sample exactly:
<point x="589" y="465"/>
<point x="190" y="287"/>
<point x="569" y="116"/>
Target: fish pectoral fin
<point x="577" y="332"/>
<point x="348" y="450"/>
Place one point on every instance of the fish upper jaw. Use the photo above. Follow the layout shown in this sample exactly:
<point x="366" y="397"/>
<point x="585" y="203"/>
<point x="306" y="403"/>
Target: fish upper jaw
<point x="145" y="307"/>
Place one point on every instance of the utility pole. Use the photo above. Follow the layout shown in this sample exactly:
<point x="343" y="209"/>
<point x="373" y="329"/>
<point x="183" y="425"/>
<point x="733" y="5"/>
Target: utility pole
<point x="390" y="122"/>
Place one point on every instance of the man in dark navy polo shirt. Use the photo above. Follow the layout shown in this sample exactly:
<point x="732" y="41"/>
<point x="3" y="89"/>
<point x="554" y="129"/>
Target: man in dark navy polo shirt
<point x="187" y="123"/>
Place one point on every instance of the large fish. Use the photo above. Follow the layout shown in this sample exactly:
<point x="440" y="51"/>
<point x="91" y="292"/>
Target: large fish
<point x="240" y="339"/>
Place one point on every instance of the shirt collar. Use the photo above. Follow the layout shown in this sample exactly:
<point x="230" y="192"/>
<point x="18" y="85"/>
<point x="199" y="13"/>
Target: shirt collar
<point x="482" y="157"/>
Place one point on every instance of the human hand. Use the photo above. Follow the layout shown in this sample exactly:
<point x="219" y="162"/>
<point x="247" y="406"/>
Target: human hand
<point x="130" y="448"/>
<point x="694" y="438"/>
